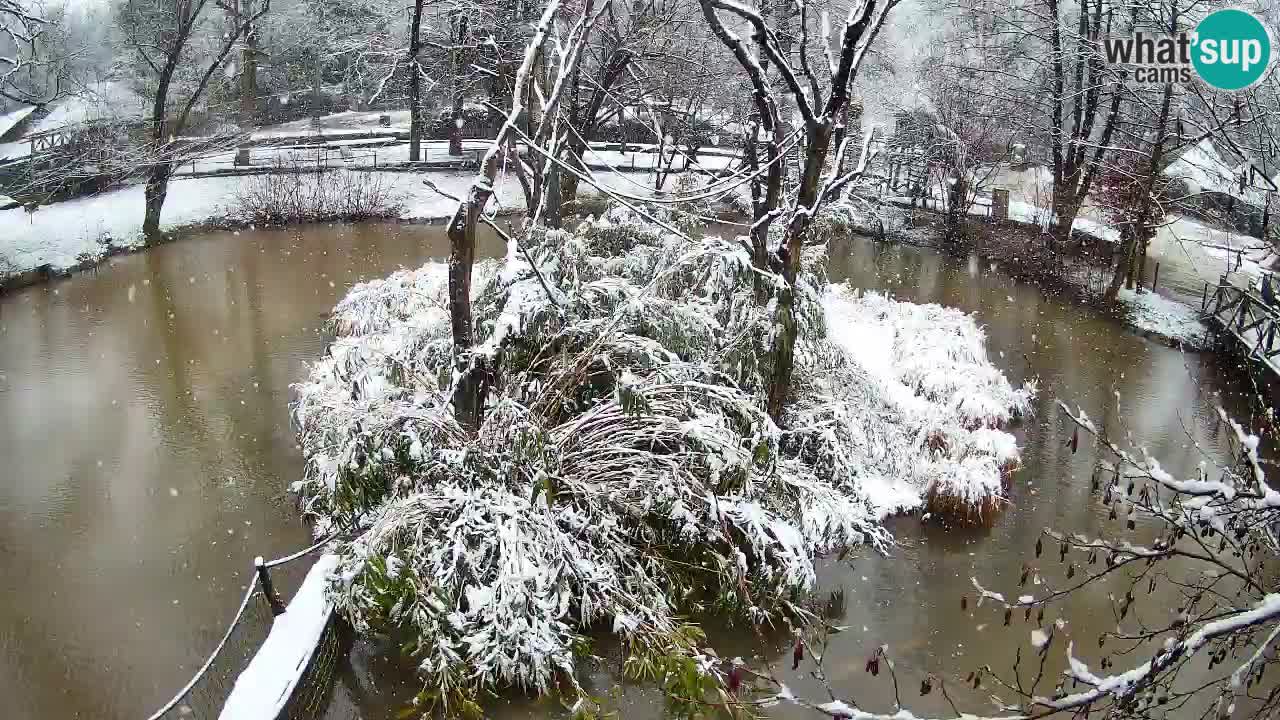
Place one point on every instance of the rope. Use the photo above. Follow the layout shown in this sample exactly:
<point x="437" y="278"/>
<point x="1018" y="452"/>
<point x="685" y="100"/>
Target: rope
<point x="253" y="585"/>
<point x="244" y="604"/>
<point x="300" y="553"/>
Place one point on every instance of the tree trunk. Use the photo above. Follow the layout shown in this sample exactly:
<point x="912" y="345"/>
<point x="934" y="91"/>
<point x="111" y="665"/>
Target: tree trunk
<point x="315" y="93"/>
<point x="248" y="81"/>
<point x="1062" y="215"/>
<point x="156" y="190"/>
<point x="415" y="83"/>
<point x="784" y="353"/>
<point x="470" y="385"/>
<point x="1142" y="218"/>
<point x="784" y="348"/>
<point x="1141" y="273"/>
<point x="569" y="181"/>
<point x="953" y="225"/>
<point x="553" y="199"/>
<point x="455" y="127"/>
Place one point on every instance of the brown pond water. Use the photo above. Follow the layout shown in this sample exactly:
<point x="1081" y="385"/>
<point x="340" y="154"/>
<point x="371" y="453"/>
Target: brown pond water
<point x="146" y="449"/>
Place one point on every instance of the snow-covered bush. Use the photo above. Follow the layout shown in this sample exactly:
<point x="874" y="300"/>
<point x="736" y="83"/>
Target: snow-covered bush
<point x="914" y="405"/>
<point x="296" y="193"/>
<point x="862" y="216"/>
<point x="625" y="474"/>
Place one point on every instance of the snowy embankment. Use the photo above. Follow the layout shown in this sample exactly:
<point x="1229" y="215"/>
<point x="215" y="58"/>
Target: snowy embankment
<point x="625" y="475"/>
<point x="78" y="232"/>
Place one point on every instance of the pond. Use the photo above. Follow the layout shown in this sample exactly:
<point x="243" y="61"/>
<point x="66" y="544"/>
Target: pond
<point x="147" y="450"/>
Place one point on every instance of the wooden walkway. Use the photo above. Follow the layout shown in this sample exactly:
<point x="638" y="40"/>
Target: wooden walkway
<point x="1243" y="319"/>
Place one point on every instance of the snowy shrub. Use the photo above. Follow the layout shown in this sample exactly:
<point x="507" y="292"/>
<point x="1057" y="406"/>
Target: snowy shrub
<point x="625" y="475"/>
<point x="294" y="193"/>
<point x="866" y="217"/>
<point x="910" y="406"/>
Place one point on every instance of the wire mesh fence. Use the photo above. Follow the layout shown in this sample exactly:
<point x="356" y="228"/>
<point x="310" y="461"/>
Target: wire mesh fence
<point x="314" y="691"/>
<point x="207" y="691"/>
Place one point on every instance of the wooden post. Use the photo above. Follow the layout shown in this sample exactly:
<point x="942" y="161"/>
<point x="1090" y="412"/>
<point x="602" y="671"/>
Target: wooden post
<point x="269" y="590"/>
<point x="1204" y="298"/>
<point x="1156" y="278"/>
<point x="999" y="205"/>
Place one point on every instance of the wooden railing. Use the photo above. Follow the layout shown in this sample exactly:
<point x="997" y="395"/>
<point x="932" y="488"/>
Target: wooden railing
<point x="1247" y="318"/>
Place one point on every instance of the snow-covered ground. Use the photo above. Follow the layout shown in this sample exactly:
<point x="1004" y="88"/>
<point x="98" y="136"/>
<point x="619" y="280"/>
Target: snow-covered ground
<point x="375" y="152"/>
<point x="1192" y="253"/>
<point x="68" y="234"/>
<point x="353" y="121"/>
<point x="1025" y="211"/>
<point x="1155" y="313"/>
<point x="64" y="235"/>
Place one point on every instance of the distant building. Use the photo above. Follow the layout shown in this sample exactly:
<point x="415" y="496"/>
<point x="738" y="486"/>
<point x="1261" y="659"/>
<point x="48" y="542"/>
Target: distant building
<point x="1214" y="183"/>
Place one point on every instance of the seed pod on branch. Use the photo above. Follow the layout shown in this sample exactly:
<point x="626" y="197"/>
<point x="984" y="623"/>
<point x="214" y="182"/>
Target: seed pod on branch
<point x="735" y="674"/>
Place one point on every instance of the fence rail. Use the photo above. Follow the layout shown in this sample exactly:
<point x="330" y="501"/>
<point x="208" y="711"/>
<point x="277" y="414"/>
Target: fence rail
<point x="1246" y="320"/>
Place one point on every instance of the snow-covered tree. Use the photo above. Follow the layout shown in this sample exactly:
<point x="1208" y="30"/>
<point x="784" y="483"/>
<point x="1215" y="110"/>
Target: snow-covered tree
<point x="1039" y="67"/>
<point x="819" y="97"/>
<point x="179" y="46"/>
<point x="25" y="71"/>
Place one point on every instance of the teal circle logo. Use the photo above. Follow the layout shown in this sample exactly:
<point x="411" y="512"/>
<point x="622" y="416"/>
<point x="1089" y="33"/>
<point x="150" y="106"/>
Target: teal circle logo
<point x="1232" y="49"/>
